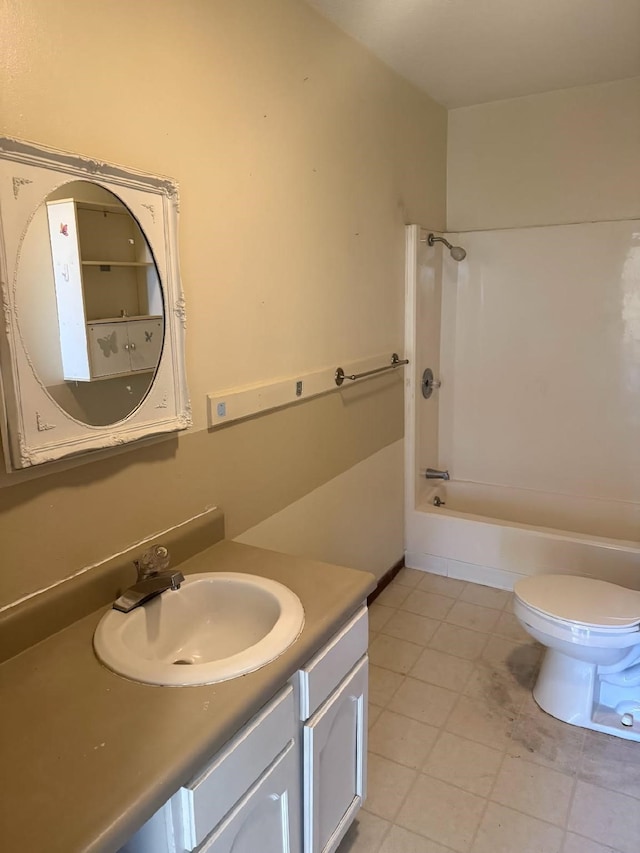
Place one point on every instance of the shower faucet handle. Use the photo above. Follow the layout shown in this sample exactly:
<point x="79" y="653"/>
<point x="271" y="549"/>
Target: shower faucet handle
<point x="429" y="383"/>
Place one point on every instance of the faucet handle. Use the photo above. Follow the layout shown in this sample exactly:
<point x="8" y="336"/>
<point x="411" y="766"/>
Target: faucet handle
<point x="154" y="560"/>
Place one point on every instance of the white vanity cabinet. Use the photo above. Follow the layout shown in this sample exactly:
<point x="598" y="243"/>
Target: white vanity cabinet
<point x="108" y="295"/>
<point x="292" y="780"/>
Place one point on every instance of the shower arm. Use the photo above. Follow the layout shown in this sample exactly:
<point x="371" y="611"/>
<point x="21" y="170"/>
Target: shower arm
<point x="456" y="252"/>
<point x="431" y="239"/>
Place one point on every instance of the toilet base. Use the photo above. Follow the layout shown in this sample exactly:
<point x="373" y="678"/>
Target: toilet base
<point x="572" y="690"/>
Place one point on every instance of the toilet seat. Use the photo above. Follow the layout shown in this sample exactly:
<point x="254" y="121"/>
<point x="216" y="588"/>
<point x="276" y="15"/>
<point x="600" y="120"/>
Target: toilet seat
<point x="542" y="627"/>
<point x="577" y="601"/>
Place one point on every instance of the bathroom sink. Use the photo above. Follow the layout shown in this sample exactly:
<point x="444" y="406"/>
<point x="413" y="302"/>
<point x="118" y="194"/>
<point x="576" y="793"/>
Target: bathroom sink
<point x="217" y="626"/>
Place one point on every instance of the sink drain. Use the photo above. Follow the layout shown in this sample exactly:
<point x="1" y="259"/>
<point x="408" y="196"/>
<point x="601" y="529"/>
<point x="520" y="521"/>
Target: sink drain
<point x="182" y="662"/>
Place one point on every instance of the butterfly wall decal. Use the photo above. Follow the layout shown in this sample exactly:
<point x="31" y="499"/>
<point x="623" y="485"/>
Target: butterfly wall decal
<point x="108" y="345"/>
<point x="147" y="337"/>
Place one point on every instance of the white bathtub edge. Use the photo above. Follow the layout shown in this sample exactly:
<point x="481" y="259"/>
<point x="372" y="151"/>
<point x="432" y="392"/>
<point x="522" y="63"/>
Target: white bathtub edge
<point x="479" y="550"/>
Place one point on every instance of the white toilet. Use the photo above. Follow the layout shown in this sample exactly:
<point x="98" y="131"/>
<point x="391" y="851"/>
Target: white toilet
<point x="590" y="675"/>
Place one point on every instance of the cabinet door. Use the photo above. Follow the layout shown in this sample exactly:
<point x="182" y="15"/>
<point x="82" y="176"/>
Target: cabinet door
<point x="334" y="768"/>
<point x="108" y="348"/>
<point x="145" y="343"/>
<point x="267" y="818"/>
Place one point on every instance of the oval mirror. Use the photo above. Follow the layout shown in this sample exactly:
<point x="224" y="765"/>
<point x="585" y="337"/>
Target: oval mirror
<point x="89" y="303"/>
<point x="92" y="346"/>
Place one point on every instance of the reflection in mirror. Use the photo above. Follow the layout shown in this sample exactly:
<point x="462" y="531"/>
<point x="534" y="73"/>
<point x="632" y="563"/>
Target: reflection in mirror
<point x="89" y="303"/>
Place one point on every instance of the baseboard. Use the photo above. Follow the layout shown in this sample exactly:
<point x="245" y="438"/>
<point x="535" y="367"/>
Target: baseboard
<point x="385" y="580"/>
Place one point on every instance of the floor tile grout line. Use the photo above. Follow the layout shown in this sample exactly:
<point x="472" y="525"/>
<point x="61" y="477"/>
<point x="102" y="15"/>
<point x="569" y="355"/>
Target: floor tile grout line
<point x="463" y="790"/>
<point x="475" y="663"/>
<point x="406" y="675"/>
<point x="427" y="574"/>
<point x="427" y="645"/>
<point x="458" y="787"/>
<point x="506" y="607"/>
<point x="418" y="771"/>
<point x="486" y="634"/>
<point x="384" y="834"/>
<point x="608" y="847"/>
<point x="600" y="784"/>
<point x="574" y="787"/>
<point x="441" y="623"/>
<point x="513" y="808"/>
<point x="394" y="822"/>
<point x="505" y="752"/>
<point x="488" y="796"/>
<point x="575" y="783"/>
<point x="440" y="727"/>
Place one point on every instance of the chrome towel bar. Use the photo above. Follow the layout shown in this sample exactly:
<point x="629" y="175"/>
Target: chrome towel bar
<point x="396" y="361"/>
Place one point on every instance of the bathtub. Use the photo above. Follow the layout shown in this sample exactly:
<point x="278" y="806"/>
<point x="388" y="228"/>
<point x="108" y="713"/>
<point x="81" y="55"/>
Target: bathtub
<point x="496" y="534"/>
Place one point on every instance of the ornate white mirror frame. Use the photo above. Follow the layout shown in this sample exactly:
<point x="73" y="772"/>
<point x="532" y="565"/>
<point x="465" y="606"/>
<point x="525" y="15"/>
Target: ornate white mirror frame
<point x="35" y="429"/>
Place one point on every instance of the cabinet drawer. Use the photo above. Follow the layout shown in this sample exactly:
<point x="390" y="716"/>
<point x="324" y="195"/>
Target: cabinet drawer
<point x="268" y="816"/>
<point x="208" y="798"/>
<point x="329" y="666"/>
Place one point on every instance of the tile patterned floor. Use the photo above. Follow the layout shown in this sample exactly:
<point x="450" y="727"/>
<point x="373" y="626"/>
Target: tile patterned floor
<point x="461" y="759"/>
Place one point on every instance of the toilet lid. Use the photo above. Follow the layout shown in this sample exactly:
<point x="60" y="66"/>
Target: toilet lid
<point x="574" y="599"/>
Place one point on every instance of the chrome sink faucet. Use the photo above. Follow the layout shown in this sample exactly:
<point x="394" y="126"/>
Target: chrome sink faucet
<point x="154" y="578"/>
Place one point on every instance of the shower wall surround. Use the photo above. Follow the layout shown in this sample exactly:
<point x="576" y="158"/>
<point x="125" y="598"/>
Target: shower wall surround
<point x="540" y="360"/>
<point x="538" y="344"/>
<point x="537" y="418"/>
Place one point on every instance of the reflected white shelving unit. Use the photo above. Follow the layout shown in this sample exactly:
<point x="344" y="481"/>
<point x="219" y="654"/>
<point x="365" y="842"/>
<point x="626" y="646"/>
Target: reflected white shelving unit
<point x="108" y="294"/>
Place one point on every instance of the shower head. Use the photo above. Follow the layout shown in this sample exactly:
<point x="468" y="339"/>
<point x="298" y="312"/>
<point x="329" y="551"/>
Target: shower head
<point x="457" y="252"/>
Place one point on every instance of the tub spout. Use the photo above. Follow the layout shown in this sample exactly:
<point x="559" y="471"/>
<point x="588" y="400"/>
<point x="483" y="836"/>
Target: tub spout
<point x="434" y="474"/>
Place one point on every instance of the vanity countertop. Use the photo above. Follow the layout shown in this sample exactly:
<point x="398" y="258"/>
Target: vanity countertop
<point x="88" y="756"/>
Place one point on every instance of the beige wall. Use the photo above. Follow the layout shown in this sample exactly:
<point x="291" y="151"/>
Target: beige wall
<point x="559" y="157"/>
<point x="299" y="158"/>
<point x="338" y="534"/>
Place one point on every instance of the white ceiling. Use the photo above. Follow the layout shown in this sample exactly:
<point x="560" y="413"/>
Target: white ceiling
<point x="464" y="52"/>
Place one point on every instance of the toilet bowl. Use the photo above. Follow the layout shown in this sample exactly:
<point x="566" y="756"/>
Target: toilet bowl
<point x="590" y="675"/>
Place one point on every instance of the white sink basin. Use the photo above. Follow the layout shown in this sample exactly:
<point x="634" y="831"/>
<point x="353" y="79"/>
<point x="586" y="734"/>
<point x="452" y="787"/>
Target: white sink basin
<point x="217" y="626"/>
